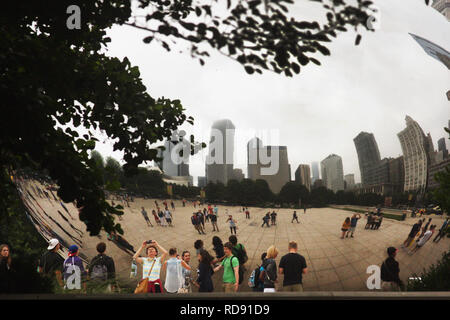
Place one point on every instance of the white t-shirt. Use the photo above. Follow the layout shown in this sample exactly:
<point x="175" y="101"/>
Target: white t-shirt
<point x="425" y="238"/>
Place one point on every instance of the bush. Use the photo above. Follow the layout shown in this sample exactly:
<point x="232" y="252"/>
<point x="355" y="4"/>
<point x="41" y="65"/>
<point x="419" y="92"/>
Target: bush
<point x="436" y="278"/>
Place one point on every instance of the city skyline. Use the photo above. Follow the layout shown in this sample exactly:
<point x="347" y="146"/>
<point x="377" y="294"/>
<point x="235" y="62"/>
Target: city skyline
<point x="321" y="110"/>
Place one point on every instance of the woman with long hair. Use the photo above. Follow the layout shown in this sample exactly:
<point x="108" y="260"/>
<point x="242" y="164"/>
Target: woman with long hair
<point x="205" y="271"/>
<point x="345" y="227"/>
<point x="218" y="249"/>
<point x="270" y="269"/>
<point x="5" y="269"/>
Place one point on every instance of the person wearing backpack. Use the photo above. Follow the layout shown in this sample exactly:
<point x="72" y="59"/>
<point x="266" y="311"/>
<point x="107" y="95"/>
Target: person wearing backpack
<point x="230" y="267"/>
<point x="254" y="281"/>
<point x="74" y="273"/>
<point x="269" y="274"/>
<point x="238" y="250"/>
<point x="101" y="272"/>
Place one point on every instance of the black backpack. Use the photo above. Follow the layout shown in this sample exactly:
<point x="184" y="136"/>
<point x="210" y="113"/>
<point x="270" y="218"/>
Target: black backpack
<point x="241" y="254"/>
<point x="99" y="270"/>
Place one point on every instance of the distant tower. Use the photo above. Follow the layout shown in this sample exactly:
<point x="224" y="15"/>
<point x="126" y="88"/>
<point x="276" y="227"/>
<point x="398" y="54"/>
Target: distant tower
<point x="415" y="147"/>
<point x="303" y="176"/>
<point x="173" y="164"/>
<point x="315" y="171"/>
<point x="349" y="181"/>
<point x="332" y="172"/>
<point x="368" y="157"/>
<point x="221" y="152"/>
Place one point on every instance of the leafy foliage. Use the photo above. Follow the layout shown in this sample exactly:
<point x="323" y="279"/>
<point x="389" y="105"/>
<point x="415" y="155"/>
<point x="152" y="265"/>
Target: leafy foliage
<point x="436" y="278"/>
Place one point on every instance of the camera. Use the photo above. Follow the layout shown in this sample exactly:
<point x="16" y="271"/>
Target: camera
<point x="148" y="241"/>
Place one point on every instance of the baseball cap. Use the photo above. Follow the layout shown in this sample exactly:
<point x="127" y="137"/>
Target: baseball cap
<point x="73" y="248"/>
<point x="52" y="244"/>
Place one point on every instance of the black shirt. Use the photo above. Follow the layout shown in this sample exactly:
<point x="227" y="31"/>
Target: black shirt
<point x="51" y="262"/>
<point x="103" y="259"/>
<point x="204" y="278"/>
<point x="270" y="268"/>
<point x="414" y="230"/>
<point x="219" y="251"/>
<point x="293" y="265"/>
<point x="390" y="270"/>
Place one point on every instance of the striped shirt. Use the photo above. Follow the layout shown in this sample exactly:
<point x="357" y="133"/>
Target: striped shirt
<point x="155" y="271"/>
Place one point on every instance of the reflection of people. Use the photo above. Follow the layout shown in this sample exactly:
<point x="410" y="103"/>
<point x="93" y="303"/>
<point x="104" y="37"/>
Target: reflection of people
<point x="6" y="284"/>
<point x="121" y="242"/>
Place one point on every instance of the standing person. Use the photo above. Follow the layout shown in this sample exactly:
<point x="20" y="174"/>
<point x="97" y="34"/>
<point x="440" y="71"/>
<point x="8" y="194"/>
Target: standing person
<point x="293" y="266"/>
<point x="390" y="271"/>
<point x="162" y="218"/>
<point x="6" y="283"/>
<point x="51" y="263"/>
<point x="174" y="275"/>
<point x="369" y="221"/>
<point x="218" y="249"/>
<point x="216" y="211"/>
<point x="266" y="219"/>
<point x="423" y="240"/>
<point x="294" y="217"/>
<point x="425" y="228"/>
<point x="270" y="269"/>
<point x="247" y="214"/>
<point x="186" y="274"/>
<point x="206" y="214"/>
<point x="158" y="222"/>
<point x="238" y="251"/>
<point x="353" y="222"/>
<point x="442" y="231"/>
<point x="144" y="213"/>
<point x="101" y="272"/>
<point x="201" y="221"/>
<point x="156" y="204"/>
<point x="304" y="209"/>
<point x="345" y="227"/>
<point x="378" y="223"/>
<point x="172" y="205"/>
<point x="184" y="202"/>
<point x="196" y="222"/>
<point x="151" y="265"/>
<point x="232" y="224"/>
<point x="73" y="271"/>
<point x="273" y="217"/>
<point x="258" y="284"/>
<point x="168" y="217"/>
<point x="213" y="218"/>
<point x="230" y="267"/>
<point x="414" y="230"/>
<point x="205" y="271"/>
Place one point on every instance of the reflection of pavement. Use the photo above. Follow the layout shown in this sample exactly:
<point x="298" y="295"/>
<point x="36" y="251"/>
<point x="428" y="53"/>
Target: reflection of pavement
<point x="333" y="264"/>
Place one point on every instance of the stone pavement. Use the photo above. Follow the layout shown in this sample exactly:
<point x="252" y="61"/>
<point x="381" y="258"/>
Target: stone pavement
<point x="334" y="264"/>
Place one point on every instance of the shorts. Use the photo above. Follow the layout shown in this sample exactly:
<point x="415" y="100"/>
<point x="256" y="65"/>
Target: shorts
<point x="169" y="220"/>
<point x="352" y="229"/>
<point x="344" y="230"/>
<point x="293" y="288"/>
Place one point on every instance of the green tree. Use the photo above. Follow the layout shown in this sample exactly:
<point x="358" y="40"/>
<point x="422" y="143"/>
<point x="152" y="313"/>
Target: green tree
<point x="55" y="79"/>
<point x="436" y="278"/>
<point x="112" y="174"/>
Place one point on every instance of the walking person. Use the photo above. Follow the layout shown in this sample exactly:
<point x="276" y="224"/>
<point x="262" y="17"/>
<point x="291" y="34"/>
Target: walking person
<point x="230" y="267"/>
<point x="270" y="269"/>
<point x="293" y="266"/>
<point x="273" y="217"/>
<point x="74" y="273"/>
<point x="144" y="213"/>
<point x="345" y="227"/>
<point x="168" y="217"/>
<point x="186" y="274"/>
<point x="158" y="222"/>
<point x="428" y="234"/>
<point x="101" y="272"/>
<point x="205" y="271"/>
<point x="213" y="218"/>
<point x="151" y="265"/>
<point x="414" y="230"/>
<point x="390" y="272"/>
<point x="201" y="221"/>
<point x="174" y="275"/>
<point x="232" y="224"/>
<point x="247" y="214"/>
<point x="294" y="217"/>
<point x="6" y="271"/>
<point x="353" y="222"/>
<point x="266" y="219"/>
<point x="51" y="263"/>
<point x="172" y="205"/>
<point x="442" y="231"/>
<point x="196" y="223"/>
<point x="162" y="218"/>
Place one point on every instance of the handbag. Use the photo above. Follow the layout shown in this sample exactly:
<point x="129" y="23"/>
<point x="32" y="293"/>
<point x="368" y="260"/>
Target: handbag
<point x="142" y="286"/>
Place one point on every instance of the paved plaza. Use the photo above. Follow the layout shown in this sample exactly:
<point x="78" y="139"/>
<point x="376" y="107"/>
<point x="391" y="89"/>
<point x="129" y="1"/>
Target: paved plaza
<point x="334" y="264"/>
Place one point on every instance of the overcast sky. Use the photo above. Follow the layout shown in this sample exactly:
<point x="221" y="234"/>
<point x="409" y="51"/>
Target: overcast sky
<point x="370" y="87"/>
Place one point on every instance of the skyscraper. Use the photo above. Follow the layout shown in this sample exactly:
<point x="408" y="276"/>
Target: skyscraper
<point x="332" y="172"/>
<point x="415" y="147"/>
<point x="368" y="157"/>
<point x="349" y="181"/>
<point x="315" y="171"/>
<point x="219" y="166"/>
<point x="442" y="149"/>
<point x="173" y="164"/>
<point x="303" y="176"/>
<point x="257" y="153"/>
